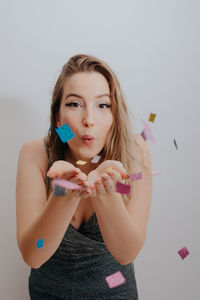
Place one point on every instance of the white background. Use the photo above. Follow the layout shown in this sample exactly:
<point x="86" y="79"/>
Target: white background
<point x="154" y="49"/>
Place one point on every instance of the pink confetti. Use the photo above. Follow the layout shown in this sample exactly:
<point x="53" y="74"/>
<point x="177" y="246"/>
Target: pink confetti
<point x="147" y="133"/>
<point x="115" y="279"/>
<point x="66" y="184"/>
<point x="183" y="252"/>
<point x="136" y="176"/>
<point x="122" y="188"/>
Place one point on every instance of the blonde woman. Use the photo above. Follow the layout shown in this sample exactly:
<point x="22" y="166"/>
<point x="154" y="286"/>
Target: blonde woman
<point x="95" y="231"/>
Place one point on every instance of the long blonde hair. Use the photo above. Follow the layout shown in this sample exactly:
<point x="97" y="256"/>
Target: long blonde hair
<point x="119" y="143"/>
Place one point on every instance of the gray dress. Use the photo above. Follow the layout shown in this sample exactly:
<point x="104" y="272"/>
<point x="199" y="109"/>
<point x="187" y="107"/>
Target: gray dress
<point x="78" y="268"/>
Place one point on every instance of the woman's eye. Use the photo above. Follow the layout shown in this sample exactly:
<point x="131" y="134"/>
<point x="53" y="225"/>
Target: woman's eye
<point x="74" y="104"/>
<point x="107" y="105"/>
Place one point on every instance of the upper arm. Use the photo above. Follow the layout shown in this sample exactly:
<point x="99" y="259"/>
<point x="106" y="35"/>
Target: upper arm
<point x="30" y="188"/>
<point x="141" y="196"/>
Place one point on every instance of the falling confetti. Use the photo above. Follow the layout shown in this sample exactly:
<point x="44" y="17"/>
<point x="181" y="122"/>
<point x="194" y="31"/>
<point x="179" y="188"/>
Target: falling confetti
<point x="136" y="176"/>
<point x="96" y="159"/>
<point x="81" y="162"/>
<point x="115" y="279"/>
<point x="122" y="188"/>
<point x="152" y="117"/>
<point x="40" y="243"/>
<point x="156" y="173"/>
<point x="175" y="144"/>
<point x="183" y="252"/>
<point x="147" y="133"/>
<point x="65" y="184"/>
<point x="65" y="133"/>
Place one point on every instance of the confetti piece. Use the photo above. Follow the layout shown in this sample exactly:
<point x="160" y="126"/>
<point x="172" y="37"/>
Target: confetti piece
<point x="81" y="162"/>
<point x="175" y="144"/>
<point x="65" y="133"/>
<point x="152" y="117"/>
<point x="136" y="176"/>
<point x="156" y="173"/>
<point x="122" y="188"/>
<point x="59" y="190"/>
<point x="66" y="184"/>
<point x="96" y="159"/>
<point x="147" y="133"/>
<point x="108" y="169"/>
<point x="115" y="279"/>
<point x="40" y="243"/>
<point x="183" y="252"/>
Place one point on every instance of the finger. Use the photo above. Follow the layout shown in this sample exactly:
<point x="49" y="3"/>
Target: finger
<point x="115" y="176"/>
<point x="108" y="183"/>
<point x="100" y="189"/>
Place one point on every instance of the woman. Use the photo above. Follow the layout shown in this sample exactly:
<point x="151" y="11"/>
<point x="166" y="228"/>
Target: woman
<point x="94" y="231"/>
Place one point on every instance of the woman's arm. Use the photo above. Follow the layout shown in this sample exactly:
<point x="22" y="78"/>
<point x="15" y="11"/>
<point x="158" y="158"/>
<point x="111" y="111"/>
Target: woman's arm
<point x="38" y="218"/>
<point x="123" y="227"/>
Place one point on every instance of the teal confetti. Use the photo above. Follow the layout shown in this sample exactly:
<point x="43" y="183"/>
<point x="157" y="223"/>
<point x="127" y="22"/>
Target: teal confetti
<point x="40" y="243"/>
<point x="65" y="133"/>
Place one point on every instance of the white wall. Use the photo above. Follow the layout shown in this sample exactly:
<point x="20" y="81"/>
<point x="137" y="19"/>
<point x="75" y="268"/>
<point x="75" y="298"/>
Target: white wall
<point x="153" y="47"/>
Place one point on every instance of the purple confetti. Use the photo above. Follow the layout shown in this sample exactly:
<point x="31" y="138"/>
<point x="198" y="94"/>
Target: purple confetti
<point x="122" y="188"/>
<point x="183" y="252"/>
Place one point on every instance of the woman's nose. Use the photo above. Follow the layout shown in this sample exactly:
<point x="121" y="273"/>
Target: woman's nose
<point x="88" y="118"/>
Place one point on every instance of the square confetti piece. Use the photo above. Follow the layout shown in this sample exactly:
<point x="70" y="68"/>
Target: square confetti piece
<point x="147" y="133"/>
<point x="65" y="133"/>
<point x="95" y="159"/>
<point x="183" y="252"/>
<point x="40" y="243"/>
<point x="122" y="188"/>
<point x="115" y="279"/>
<point x="136" y="176"/>
<point x="81" y="162"/>
<point x="152" y="117"/>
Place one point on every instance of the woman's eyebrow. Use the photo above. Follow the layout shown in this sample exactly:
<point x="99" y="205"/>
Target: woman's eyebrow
<point x="75" y="95"/>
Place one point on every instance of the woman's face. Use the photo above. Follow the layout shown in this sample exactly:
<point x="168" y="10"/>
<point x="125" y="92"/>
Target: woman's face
<point x="87" y="112"/>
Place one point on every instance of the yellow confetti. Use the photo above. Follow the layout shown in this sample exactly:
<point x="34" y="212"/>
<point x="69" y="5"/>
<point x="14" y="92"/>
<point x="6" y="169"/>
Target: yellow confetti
<point x="108" y="169"/>
<point x="152" y="117"/>
<point x="81" y="162"/>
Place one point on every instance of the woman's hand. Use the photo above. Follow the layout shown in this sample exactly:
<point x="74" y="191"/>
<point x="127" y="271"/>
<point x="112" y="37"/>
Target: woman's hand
<point x="64" y="170"/>
<point x="104" y="181"/>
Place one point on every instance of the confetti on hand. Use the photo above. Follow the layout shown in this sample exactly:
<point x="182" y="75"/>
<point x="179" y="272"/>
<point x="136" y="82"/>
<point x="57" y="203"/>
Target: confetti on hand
<point x="81" y="162"/>
<point x="183" y="252"/>
<point x="110" y="168"/>
<point x="40" y="243"/>
<point x="152" y="117"/>
<point x="65" y="133"/>
<point x="123" y="188"/>
<point x="115" y="279"/>
<point x="65" y="184"/>
<point x="95" y="159"/>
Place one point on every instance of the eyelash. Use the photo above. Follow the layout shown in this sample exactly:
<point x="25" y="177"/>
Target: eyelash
<point x="69" y="104"/>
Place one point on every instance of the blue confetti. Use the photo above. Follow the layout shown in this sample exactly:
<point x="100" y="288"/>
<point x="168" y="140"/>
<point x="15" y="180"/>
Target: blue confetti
<point x="40" y="243"/>
<point x="175" y="144"/>
<point x="65" y="133"/>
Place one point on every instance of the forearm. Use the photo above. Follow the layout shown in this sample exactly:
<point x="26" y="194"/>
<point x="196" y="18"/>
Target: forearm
<point x="119" y="231"/>
<point x="50" y="225"/>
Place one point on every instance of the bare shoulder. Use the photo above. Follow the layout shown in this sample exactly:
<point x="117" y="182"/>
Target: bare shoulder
<point x="34" y="150"/>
